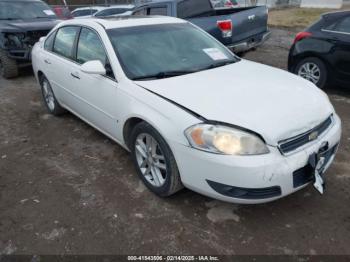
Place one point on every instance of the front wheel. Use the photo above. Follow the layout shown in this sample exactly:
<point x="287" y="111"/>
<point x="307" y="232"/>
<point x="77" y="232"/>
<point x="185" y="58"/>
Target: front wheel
<point x="154" y="161"/>
<point x="314" y="70"/>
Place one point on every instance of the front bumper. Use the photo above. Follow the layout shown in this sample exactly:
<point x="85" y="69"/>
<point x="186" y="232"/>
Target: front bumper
<point x="19" y="54"/>
<point x="262" y="174"/>
<point x="250" y="43"/>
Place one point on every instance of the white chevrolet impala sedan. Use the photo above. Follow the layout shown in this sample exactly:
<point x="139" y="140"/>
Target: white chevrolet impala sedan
<point x="191" y="113"/>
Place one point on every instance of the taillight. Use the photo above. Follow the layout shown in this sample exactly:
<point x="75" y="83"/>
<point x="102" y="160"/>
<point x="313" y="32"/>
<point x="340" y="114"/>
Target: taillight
<point x="226" y="27"/>
<point x="301" y="36"/>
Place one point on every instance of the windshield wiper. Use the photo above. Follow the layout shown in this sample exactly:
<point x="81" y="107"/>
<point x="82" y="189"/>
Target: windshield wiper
<point x="219" y="64"/>
<point x="164" y="74"/>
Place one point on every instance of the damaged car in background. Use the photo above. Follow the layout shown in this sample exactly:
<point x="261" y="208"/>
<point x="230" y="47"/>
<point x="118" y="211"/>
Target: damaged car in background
<point x="22" y="23"/>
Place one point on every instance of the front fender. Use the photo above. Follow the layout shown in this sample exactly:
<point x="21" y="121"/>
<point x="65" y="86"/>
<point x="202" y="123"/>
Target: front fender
<point x="168" y="119"/>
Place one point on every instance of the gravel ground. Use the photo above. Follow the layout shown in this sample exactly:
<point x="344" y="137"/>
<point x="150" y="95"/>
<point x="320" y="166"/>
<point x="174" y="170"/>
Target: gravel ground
<point x="67" y="189"/>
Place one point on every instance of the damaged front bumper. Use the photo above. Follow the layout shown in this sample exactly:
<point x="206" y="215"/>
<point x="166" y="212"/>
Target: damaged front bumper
<point x="19" y="54"/>
<point x="251" y="179"/>
<point x="18" y="45"/>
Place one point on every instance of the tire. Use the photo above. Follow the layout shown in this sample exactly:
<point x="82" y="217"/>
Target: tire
<point x="168" y="180"/>
<point x="49" y="98"/>
<point x="318" y="71"/>
<point x="8" y="66"/>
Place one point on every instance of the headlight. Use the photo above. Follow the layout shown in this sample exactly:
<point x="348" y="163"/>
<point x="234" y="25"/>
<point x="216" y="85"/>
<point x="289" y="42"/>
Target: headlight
<point x="225" y="140"/>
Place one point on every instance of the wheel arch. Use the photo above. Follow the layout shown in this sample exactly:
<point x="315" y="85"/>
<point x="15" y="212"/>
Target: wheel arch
<point x="302" y="56"/>
<point x="128" y="126"/>
<point x="160" y="124"/>
<point x="40" y="74"/>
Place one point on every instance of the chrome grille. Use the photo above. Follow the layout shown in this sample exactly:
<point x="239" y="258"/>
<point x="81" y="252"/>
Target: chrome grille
<point x="291" y="144"/>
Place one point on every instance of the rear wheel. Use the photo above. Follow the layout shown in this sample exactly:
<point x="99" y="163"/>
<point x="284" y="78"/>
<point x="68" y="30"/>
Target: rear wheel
<point x="50" y="100"/>
<point x="8" y="66"/>
<point x="154" y="161"/>
<point x="314" y="70"/>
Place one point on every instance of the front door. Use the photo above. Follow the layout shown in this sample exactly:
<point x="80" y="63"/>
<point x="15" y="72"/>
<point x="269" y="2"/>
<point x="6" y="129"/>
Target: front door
<point x="96" y="94"/>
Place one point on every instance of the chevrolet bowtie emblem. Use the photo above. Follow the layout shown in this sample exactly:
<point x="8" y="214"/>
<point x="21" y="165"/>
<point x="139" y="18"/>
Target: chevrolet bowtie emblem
<point x="313" y="136"/>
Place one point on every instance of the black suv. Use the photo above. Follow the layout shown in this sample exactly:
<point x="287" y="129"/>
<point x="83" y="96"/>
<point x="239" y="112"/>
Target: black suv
<point x="321" y="53"/>
<point x="22" y="23"/>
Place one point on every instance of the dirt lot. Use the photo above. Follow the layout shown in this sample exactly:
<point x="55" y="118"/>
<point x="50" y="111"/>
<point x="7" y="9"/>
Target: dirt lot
<point x="67" y="189"/>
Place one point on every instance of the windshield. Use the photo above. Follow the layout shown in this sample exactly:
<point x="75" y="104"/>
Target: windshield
<point x="24" y="10"/>
<point x="166" y="50"/>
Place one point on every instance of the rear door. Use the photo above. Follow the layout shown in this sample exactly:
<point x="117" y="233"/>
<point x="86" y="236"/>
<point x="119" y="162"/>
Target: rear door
<point x="340" y="35"/>
<point x="59" y="61"/>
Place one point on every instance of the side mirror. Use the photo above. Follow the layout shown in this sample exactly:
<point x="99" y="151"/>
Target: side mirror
<point x="93" y="67"/>
<point x="42" y="39"/>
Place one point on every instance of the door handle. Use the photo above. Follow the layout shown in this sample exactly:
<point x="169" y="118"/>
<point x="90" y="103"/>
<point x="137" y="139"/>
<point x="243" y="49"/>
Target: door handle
<point x="47" y="62"/>
<point x="75" y="76"/>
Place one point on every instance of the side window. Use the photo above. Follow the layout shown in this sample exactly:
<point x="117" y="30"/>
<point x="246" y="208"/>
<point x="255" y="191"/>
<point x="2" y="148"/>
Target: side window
<point x="64" y="41"/>
<point x="192" y="8"/>
<point x="140" y="12"/>
<point x="91" y="48"/>
<point x="161" y="10"/>
<point x="49" y="41"/>
<point x="344" y="25"/>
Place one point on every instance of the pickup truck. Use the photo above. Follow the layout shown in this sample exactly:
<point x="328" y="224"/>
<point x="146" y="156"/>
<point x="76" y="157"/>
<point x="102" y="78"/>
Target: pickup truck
<point x="22" y="24"/>
<point x="240" y="29"/>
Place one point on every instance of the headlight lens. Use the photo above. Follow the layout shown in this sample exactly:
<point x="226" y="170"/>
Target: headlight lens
<point x="225" y="140"/>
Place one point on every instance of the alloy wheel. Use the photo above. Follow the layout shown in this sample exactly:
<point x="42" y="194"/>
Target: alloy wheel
<point x="310" y="71"/>
<point x="150" y="159"/>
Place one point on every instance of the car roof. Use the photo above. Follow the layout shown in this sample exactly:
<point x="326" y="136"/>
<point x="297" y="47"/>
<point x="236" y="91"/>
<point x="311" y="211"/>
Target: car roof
<point x="337" y="14"/>
<point x="126" y="21"/>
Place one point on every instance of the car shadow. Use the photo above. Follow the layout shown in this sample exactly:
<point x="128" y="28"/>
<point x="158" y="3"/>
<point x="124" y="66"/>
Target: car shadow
<point x="338" y="90"/>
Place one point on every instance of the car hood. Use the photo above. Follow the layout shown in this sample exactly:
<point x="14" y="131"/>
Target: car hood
<point x="269" y="101"/>
<point x="28" y="25"/>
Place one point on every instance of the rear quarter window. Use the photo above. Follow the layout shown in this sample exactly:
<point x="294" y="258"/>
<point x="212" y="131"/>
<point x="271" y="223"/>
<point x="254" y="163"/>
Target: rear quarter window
<point x="49" y="41"/>
<point x="344" y="25"/>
